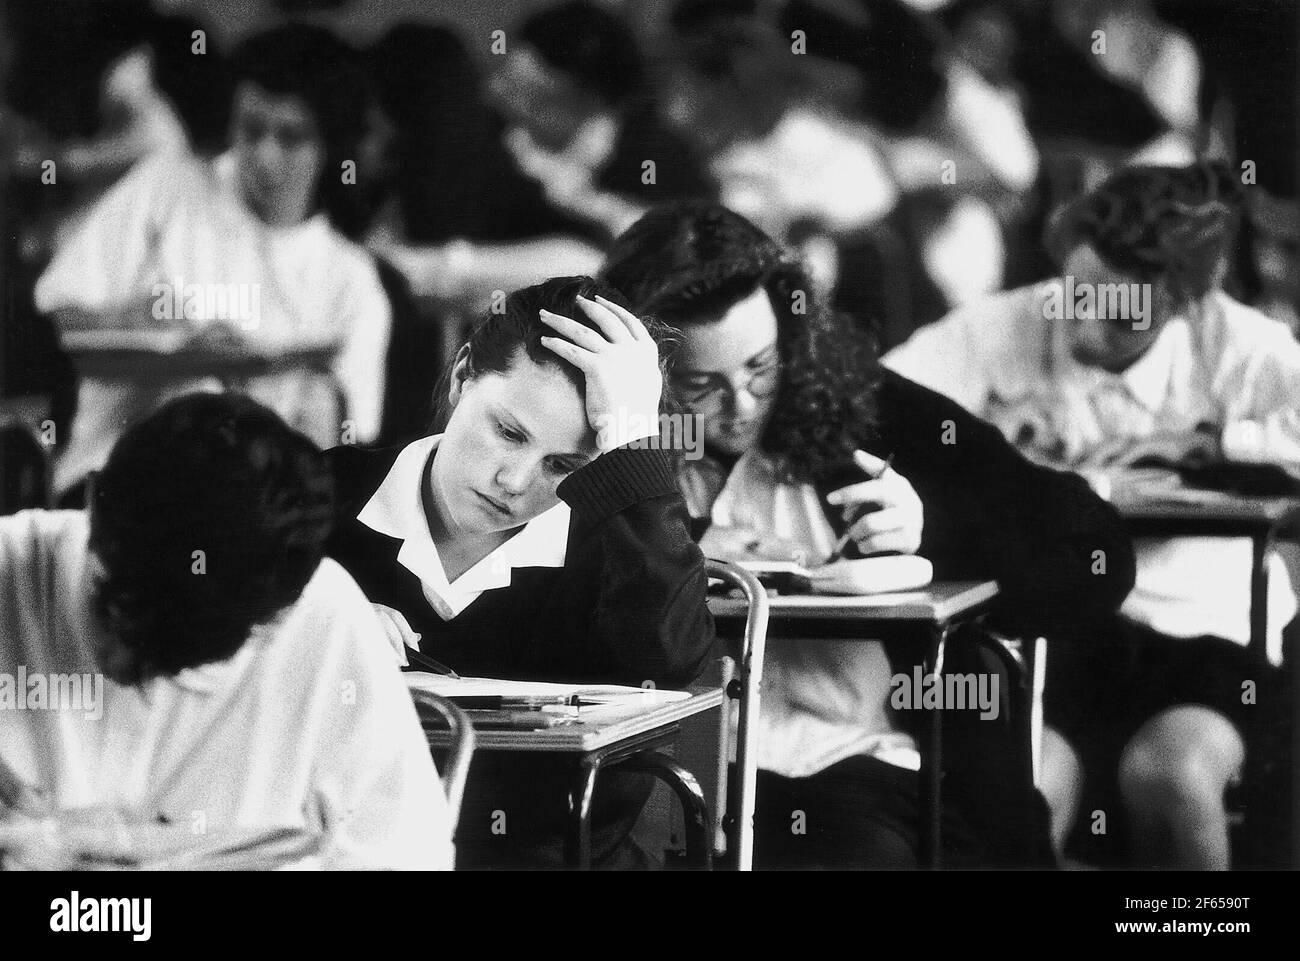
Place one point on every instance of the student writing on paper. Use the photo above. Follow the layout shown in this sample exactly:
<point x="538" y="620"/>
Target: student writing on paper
<point x="231" y="679"/>
<point x="1136" y="352"/>
<point x="540" y="535"/>
<point x="799" y="420"/>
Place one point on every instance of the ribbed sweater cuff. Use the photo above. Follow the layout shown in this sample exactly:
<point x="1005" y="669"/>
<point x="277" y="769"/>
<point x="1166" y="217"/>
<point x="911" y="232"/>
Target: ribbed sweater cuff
<point x="618" y="479"/>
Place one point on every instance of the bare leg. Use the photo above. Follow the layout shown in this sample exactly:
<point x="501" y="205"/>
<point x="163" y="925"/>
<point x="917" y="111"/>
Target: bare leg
<point x="1172" y="778"/>
<point x="1061" y="782"/>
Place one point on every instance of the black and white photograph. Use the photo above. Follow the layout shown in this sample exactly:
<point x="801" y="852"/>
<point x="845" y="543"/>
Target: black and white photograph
<point x="561" y="436"/>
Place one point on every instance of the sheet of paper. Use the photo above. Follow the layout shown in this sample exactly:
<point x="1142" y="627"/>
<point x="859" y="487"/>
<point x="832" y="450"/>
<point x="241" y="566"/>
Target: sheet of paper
<point x="867" y="575"/>
<point x="502" y="687"/>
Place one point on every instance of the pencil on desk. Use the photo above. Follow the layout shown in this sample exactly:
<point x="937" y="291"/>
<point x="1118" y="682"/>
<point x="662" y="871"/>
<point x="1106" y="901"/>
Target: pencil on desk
<point x="500" y="702"/>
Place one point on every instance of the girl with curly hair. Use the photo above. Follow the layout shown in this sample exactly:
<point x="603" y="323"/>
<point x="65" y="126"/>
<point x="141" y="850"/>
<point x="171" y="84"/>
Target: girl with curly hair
<point x="807" y="438"/>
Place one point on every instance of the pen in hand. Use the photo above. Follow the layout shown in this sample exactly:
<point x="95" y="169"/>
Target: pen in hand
<point x="862" y="510"/>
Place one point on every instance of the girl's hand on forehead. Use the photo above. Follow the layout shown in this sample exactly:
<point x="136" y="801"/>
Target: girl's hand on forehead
<point x="620" y="362"/>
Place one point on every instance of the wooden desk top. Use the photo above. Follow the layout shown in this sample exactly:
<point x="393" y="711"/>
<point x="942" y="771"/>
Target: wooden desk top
<point x="1153" y="503"/>
<point x="941" y="601"/>
<point x="582" y="737"/>
<point x="26" y="411"/>
<point x="130" y="355"/>
<point x="1212" y="510"/>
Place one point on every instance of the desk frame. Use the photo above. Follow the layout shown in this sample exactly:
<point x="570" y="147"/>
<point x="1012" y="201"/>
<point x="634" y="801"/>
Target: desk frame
<point x="884" y="618"/>
<point x="633" y="743"/>
<point x="1265" y="521"/>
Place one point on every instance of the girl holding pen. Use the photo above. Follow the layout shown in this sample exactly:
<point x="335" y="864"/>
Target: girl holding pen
<point x="813" y="449"/>
<point x="539" y="534"/>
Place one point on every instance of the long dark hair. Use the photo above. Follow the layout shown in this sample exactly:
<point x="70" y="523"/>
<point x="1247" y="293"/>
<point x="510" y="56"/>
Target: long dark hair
<point x="220" y="474"/>
<point x="689" y="262"/>
<point x="499" y="335"/>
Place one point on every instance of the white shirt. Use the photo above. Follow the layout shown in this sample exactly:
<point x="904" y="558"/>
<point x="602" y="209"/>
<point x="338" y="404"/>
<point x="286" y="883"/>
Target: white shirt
<point x="308" y="725"/>
<point x="396" y="509"/>
<point x="810" y="166"/>
<point x="823" y="700"/>
<point x="175" y="221"/>
<point x="999" y="358"/>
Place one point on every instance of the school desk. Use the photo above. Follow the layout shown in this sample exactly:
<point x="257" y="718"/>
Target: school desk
<point x="148" y="356"/>
<point x="922" y="617"/>
<point x="631" y="741"/>
<point x="1150" y="510"/>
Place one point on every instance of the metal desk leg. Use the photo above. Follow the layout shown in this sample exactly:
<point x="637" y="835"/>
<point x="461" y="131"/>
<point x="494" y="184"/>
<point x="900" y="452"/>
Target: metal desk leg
<point x="695" y="808"/>
<point x="1259" y="598"/>
<point x="577" y="846"/>
<point x="932" y="760"/>
<point x="1254" y="765"/>
<point x="1294" y="668"/>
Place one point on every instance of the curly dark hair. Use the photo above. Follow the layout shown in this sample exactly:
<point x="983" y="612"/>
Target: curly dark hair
<point x="495" y="340"/>
<point x="689" y="262"/>
<point x="1175" y="224"/>
<point x="216" y="473"/>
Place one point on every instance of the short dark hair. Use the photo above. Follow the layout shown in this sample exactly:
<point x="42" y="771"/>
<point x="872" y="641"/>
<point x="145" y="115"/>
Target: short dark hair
<point x="497" y="338"/>
<point x="1175" y="224"/>
<point x="589" y="44"/>
<point x="689" y="262"/>
<point x="310" y="62"/>
<point x="216" y="473"/>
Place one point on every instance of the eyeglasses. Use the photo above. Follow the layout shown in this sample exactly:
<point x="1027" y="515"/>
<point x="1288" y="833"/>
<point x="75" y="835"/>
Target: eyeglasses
<point x="706" y="392"/>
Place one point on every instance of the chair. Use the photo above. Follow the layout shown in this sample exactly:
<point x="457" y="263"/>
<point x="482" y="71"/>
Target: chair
<point x="742" y="680"/>
<point x="1026" y="659"/>
<point x="461" y="749"/>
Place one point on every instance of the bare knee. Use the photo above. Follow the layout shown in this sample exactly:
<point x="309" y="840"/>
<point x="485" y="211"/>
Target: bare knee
<point x="1188" y="754"/>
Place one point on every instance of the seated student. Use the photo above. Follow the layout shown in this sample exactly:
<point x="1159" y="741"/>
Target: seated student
<point x="1184" y="371"/>
<point x="796" y="415"/>
<point x="246" y="681"/>
<point x="238" y="252"/>
<point x="574" y="87"/>
<point x="534" y="537"/>
<point x="457" y="216"/>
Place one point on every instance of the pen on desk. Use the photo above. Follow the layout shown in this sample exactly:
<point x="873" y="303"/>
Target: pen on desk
<point x="863" y="509"/>
<point x="507" y="702"/>
<point x="532" y="719"/>
<point x="429" y="664"/>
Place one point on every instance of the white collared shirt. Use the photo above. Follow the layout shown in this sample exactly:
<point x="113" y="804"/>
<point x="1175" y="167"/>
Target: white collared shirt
<point x="175" y="224"/>
<point x="396" y="509"/>
<point x="1002" y="360"/>
<point x="823" y="700"/>
<point x="308" y="725"/>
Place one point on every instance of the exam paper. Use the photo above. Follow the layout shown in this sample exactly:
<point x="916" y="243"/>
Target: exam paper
<point x="867" y="575"/>
<point x="501" y="687"/>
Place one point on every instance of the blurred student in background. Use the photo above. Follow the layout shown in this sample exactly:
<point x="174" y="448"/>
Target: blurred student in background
<point x="538" y="534"/>
<point x="1157" y="364"/>
<point x="804" y="431"/>
<point x="584" y="122"/>
<point x="251" y="225"/>
<point x="460" y="219"/>
<point x="195" y="585"/>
